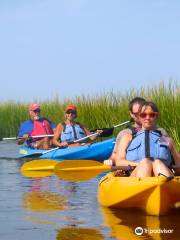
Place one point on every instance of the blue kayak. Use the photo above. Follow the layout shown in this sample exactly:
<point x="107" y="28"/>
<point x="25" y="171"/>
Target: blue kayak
<point x="97" y="151"/>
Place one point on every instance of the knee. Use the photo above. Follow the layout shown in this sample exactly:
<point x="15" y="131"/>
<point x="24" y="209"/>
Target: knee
<point x="46" y="139"/>
<point x="146" y="162"/>
<point x="158" y="162"/>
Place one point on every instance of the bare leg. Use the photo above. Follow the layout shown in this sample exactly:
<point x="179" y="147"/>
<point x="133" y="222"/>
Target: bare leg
<point x="44" y="143"/>
<point x="160" y="167"/>
<point x="144" y="169"/>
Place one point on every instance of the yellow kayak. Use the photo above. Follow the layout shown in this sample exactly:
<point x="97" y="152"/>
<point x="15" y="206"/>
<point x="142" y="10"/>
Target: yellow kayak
<point x="155" y="195"/>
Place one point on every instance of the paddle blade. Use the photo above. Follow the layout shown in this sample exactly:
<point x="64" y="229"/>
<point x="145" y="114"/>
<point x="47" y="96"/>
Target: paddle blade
<point x="80" y="165"/>
<point x="107" y="132"/>
<point x="32" y="155"/>
<point x="39" y="165"/>
<point x="37" y="174"/>
<point x="77" y="175"/>
<point x="79" y="170"/>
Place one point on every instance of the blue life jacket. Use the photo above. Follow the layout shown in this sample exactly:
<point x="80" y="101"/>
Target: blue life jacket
<point x="72" y="132"/>
<point x="158" y="149"/>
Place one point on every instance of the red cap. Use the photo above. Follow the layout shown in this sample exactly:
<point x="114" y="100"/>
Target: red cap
<point x="71" y="107"/>
<point x="34" y="106"/>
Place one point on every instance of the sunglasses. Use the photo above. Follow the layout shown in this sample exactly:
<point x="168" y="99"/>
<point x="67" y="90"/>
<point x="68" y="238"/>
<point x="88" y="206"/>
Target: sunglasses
<point x="135" y="114"/>
<point x="37" y="111"/>
<point x="70" y="112"/>
<point x="150" y="114"/>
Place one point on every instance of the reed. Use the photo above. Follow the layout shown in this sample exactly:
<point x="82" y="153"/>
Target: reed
<point x="101" y="110"/>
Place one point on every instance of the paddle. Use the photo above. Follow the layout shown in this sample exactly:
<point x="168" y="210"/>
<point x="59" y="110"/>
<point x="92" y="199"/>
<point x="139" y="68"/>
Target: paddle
<point x="43" y="168"/>
<point x="71" y="170"/>
<point x="16" y="138"/>
<point x="68" y="165"/>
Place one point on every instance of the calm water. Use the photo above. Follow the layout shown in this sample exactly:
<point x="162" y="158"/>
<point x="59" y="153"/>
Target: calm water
<point x="49" y="208"/>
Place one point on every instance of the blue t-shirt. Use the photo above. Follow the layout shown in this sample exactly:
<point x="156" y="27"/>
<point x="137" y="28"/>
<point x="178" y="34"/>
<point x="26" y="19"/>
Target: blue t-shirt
<point x="27" y="126"/>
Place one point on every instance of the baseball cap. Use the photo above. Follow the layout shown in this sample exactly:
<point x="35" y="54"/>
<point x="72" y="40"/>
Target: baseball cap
<point x="34" y="106"/>
<point x="71" y="107"/>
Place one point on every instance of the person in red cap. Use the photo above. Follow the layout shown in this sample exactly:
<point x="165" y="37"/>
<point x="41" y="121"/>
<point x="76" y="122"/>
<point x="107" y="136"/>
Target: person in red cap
<point x="70" y="130"/>
<point x="35" y="131"/>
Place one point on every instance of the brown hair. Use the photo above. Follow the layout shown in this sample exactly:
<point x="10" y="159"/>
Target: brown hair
<point x="150" y="104"/>
<point x="136" y="100"/>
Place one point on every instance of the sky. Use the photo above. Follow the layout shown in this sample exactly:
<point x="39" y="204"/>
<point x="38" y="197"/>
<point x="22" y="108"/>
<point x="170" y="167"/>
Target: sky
<point x="68" y="48"/>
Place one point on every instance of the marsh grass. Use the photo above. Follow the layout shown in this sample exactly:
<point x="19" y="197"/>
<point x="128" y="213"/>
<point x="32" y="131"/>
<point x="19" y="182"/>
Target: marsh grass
<point x="101" y="110"/>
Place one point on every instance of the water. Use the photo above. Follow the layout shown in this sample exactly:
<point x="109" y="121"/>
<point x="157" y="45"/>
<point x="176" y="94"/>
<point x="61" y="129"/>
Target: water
<point x="49" y="208"/>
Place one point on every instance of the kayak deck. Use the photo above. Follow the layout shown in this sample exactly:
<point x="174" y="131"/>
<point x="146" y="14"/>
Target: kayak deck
<point x="155" y="195"/>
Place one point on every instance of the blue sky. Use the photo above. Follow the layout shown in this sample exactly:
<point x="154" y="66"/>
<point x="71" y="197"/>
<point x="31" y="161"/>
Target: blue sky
<point x="73" y="47"/>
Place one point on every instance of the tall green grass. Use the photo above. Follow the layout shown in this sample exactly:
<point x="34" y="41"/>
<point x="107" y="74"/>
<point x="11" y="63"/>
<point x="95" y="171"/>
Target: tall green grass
<point x="101" y="110"/>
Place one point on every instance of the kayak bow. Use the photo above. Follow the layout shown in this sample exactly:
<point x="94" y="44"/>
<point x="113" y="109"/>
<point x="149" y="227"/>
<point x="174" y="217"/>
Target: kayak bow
<point x="155" y="195"/>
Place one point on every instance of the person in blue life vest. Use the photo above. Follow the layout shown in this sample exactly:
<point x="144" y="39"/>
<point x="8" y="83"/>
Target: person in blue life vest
<point x="36" y="126"/>
<point x="70" y="130"/>
<point x="148" y="149"/>
<point x="134" y="108"/>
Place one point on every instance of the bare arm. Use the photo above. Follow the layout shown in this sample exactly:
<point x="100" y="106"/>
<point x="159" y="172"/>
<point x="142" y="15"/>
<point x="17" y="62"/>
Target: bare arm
<point x="23" y="139"/>
<point x="121" y="151"/>
<point x="88" y="133"/>
<point x="174" y="152"/>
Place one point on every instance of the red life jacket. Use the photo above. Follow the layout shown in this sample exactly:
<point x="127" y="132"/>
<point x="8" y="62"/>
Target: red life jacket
<point x="41" y="128"/>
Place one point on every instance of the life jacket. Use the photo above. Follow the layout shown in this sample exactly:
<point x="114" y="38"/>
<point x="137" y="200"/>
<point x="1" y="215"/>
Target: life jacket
<point x="41" y="127"/>
<point x="72" y="132"/>
<point x="149" y="144"/>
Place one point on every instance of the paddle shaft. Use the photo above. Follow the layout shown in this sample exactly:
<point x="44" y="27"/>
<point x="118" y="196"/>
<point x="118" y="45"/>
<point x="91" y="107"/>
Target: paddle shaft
<point x="121" y="124"/>
<point x="87" y="165"/>
<point x="95" y="168"/>
<point x="75" y="141"/>
<point x="15" y="138"/>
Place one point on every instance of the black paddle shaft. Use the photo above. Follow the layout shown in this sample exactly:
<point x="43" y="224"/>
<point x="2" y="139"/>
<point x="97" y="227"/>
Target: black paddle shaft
<point x="147" y="144"/>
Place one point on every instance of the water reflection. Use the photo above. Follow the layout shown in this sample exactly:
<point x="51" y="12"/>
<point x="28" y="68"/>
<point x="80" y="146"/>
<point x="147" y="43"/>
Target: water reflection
<point x="79" y="233"/>
<point x="124" y="222"/>
<point x="40" y="208"/>
<point x="44" y="201"/>
<point x="42" y="204"/>
<point x="66" y="206"/>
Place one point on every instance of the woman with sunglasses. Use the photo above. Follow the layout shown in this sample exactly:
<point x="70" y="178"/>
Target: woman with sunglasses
<point x="134" y="108"/>
<point x="70" y="130"/>
<point x="36" y="126"/>
<point x="148" y="150"/>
